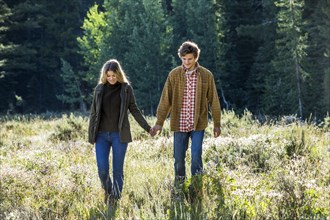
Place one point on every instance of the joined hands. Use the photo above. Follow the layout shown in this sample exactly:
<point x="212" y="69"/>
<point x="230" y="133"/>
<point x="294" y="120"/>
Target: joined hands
<point x="155" y="130"/>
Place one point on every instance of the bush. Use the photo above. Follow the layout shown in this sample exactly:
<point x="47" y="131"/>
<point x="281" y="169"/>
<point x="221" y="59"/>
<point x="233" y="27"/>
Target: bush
<point x="70" y="129"/>
<point x="253" y="171"/>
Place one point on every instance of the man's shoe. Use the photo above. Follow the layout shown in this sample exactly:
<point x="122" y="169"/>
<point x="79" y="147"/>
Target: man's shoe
<point x="106" y="197"/>
<point x="113" y="200"/>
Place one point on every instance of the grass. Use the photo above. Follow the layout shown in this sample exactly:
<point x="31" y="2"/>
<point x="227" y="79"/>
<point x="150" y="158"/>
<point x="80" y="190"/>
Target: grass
<point x="275" y="170"/>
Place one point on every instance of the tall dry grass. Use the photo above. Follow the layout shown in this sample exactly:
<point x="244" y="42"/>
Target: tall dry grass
<point x="275" y="170"/>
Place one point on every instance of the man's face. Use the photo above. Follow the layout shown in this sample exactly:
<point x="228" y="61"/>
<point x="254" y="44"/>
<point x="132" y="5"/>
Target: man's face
<point x="188" y="61"/>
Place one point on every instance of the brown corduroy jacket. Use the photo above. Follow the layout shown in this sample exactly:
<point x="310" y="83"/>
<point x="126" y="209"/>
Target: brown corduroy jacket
<point x="206" y="97"/>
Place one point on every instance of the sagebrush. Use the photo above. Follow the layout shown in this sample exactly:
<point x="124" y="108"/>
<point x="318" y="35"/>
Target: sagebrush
<point x="275" y="170"/>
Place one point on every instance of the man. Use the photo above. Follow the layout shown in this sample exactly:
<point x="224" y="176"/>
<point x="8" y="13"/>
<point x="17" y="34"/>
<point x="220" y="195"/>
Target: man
<point x="187" y="94"/>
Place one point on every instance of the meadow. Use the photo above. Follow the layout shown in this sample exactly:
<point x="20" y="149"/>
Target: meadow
<point x="278" y="169"/>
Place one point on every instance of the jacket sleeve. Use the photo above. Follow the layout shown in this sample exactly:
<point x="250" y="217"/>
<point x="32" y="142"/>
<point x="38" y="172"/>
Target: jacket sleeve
<point x="135" y="111"/>
<point x="214" y="102"/>
<point x="92" y="121"/>
<point x="165" y="103"/>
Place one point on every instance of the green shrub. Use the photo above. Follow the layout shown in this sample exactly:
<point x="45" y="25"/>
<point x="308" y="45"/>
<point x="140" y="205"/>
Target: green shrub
<point x="70" y="129"/>
<point x="252" y="171"/>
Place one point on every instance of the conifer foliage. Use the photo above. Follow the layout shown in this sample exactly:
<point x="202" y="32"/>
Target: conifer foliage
<point x="271" y="57"/>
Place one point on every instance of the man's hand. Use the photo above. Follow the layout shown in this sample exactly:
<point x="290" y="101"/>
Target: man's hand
<point x="216" y="132"/>
<point x="155" y="130"/>
<point x="152" y="132"/>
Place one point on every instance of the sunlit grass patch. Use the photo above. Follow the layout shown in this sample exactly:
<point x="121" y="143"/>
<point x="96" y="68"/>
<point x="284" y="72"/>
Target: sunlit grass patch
<point x="274" y="170"/>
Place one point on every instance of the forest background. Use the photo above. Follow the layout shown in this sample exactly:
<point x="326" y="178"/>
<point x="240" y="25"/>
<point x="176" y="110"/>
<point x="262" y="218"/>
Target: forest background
<point x="270" y="57"/>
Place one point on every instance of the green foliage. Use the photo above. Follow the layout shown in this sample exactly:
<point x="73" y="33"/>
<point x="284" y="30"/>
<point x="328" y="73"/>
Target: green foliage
<point x="318" y="59"/>
<point x="298" y="191"/>
<point x="327" y="122"/>
<point x="262" y="31"/>
<point x="269" y="57"/>
<point x="90" y="45"/>
<point x="37" y="34"/>
<point x="5" y="47"/>
<point x="139" y="39"/>
<point x="291" y="44"/>
<point x="278" y="164"/>
<point x="70" y="129"/>
<point x="238" y="45"/>
<point x="72" y="92"/>
<point x="278" y="170"/>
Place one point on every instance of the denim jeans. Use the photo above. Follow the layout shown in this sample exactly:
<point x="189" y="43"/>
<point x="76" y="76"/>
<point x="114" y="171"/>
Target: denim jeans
<point x="181" y="140"/>
<point x="104" y="142"/>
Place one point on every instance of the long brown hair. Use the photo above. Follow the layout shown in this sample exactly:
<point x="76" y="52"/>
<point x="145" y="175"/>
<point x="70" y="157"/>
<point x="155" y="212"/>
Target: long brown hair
<point x="114" y="66"/>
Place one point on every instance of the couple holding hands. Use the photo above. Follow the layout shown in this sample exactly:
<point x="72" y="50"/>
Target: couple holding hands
<point x="188" y="94"/>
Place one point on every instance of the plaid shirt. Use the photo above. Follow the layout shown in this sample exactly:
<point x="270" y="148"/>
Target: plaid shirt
<point x="188" y="104"/>
<point x="206" y="99"/>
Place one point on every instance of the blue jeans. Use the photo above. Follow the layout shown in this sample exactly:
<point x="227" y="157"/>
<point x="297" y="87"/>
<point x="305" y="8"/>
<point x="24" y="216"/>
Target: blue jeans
<point x="104" y="142"/>
<point x="181" y="140"/>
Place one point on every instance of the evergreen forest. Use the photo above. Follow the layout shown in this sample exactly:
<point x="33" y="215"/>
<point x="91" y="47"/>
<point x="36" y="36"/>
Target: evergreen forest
<point x="267" y="57"/>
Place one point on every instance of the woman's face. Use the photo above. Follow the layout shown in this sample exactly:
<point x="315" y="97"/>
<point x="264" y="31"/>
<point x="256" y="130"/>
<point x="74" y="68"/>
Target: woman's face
<point x="111" y="77"/>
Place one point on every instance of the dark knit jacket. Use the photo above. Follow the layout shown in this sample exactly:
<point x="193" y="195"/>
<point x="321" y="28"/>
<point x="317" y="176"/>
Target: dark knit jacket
<point x="127" y="103"/>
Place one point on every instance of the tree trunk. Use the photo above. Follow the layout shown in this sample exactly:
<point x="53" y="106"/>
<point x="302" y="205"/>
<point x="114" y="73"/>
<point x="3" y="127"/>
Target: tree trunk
<point x="298" y="80"/>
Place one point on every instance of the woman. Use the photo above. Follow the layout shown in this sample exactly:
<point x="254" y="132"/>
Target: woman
<point x="109" y="127"/>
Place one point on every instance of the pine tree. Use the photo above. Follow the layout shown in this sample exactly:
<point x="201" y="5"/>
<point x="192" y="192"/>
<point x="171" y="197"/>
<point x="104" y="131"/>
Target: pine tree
<point x="239" y="48"/>
<point x="90" y="45"/>
<point x="291" y="45"/>
<point x="318" y="61"/>
<point x="23" y="30"/>
<point x="147" y="55"/>
<point x="324" y="28"/>
<point x="6" y="80"/>
<point x="138" y="38"/>
<point x="179" y="25"/>
<point x="72" y="92"/>
<point x="40" y="33"/>
<point x="207" y="27"/>
<point x="202" y="29"/>
<point x="263" y="32"/>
